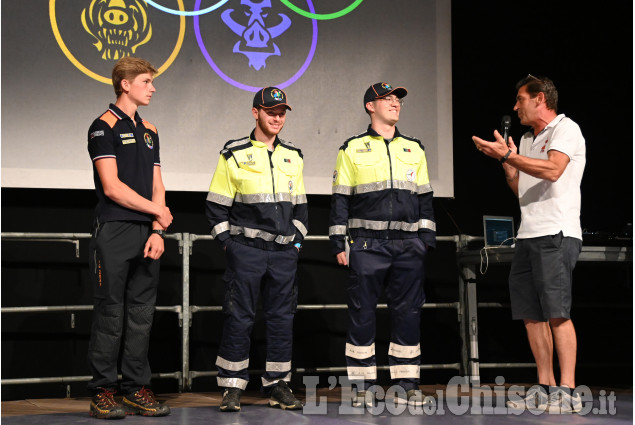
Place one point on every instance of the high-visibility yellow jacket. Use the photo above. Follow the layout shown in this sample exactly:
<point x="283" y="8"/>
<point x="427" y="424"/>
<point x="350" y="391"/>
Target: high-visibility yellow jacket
<point x="256" y="196"/>
<point x="381" y="190"/>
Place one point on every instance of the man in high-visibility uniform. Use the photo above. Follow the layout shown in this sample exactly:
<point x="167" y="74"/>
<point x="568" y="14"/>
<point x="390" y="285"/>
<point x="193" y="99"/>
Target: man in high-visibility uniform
<point x="383" y="199"/>
<point x="257" y="210"/>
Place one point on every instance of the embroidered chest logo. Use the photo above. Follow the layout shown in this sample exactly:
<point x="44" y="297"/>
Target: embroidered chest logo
<point x="250" y="160"/>
<point x="368" y="149"/>
<point x="291" y="186"/>
<point x="411" y="175"/>
<point x="287" y="160"/>
<point x="542" y="149"/>
<point x="148" y="139"/>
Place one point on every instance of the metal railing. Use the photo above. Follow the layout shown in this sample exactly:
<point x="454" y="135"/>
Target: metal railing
<point x="185" y="311"/>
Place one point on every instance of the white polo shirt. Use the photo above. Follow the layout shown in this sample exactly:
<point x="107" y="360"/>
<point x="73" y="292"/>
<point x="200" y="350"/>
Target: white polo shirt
<point x="550" y="207"/>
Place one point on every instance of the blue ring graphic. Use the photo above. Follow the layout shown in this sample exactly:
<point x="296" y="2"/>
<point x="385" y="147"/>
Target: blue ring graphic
<point x="185" y="12"/>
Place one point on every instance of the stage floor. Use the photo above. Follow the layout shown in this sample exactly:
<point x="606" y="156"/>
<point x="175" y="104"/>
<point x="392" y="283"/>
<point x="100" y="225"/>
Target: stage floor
<point x="607" y="407"/>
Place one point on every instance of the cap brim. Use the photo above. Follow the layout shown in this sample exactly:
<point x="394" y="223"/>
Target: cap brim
<point x="277" y="104"/>
<point x="397" y="91"/>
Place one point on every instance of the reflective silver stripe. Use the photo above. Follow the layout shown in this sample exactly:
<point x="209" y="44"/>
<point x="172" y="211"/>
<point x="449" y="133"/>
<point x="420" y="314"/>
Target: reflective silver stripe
<point x="233" y="366"/>
<point x="235" y="143"/>
<point x="402" y="225"/>
<point x="368" y="372"/>
<point x="300" y="199"/>
<point x="360" y="352"/>
<point x="379" y="186"/>
<point x="268" y="383"/>
<point x="278" y="366"/>
<point x="424" y="188"/>
<point x="404" y="371"/>
<point x="404" y="351"/>
<point x="257" y="233"/>
<point x="298" y="224"/>
<point x="337" y="230"/>
<point x="220" y="199"/>
<point x="372" y="187"/>
<point x="220" y="228"/>
<point x="382" y="225"/>
<point x="231" y="382"/>
<point x="404" y="185"/>
<point x="262" y="198"/>
<point x="427" y="224"/>
<point x="343" y="190"/>
<point x="367" y="224"/>
<point x="256" y="198"/>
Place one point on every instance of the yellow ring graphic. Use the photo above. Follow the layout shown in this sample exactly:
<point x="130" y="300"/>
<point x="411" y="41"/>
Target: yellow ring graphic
<point x="108" y="80"/>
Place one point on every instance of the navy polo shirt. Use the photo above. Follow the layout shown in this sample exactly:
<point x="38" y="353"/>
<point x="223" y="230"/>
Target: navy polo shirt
<point x="136" y="150"/>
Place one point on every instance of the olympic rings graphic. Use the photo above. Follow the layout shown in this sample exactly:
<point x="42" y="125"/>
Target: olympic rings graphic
<point x="322" y="16"/>
<point x="185" y="12"/>
<point x="293" y="79"/>
<point x="108" y="80"/>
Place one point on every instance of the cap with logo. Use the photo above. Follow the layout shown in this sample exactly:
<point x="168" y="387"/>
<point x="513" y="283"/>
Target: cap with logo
<point x="380" y="90"/>
<point x="270" y="97"/>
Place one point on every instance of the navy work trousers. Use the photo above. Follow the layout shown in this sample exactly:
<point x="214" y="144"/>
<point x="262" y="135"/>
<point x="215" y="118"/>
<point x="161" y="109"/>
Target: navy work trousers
<point x="251" y="272"/>
<point x="396" y="266"/>
<point x="125" y="287"/>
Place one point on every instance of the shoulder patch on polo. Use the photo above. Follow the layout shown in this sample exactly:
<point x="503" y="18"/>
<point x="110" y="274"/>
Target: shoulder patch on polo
<point x="109" y="118"/>
<point x="149" y="126"/>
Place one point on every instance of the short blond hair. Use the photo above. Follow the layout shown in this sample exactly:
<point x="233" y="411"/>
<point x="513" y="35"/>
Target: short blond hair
<point x="128" y="68"/>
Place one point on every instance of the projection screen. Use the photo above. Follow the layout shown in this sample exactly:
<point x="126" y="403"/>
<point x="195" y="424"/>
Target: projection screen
<point x="57" y="58"/>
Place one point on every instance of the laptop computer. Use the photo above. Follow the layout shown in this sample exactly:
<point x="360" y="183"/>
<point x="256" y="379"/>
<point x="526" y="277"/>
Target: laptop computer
<point x="498" y="231"/>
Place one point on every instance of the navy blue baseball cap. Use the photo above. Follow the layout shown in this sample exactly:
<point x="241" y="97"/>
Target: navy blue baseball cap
<point x="270" y="97"/>
<point x="380" y="90"/>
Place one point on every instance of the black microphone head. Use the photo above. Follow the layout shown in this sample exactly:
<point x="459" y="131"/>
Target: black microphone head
<point x="506" y="122"/>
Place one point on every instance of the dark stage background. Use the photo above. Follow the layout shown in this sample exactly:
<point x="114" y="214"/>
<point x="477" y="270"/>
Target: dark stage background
<point x="585" y="48"/>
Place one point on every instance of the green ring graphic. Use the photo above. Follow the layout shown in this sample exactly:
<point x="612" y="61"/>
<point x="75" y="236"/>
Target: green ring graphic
<point x="322" y="16"/>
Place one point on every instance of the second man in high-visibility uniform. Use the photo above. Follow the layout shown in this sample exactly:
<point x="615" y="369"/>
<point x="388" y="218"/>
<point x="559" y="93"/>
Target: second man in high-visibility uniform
<point x="382" y="199"/>
<point x="257" y="210"/>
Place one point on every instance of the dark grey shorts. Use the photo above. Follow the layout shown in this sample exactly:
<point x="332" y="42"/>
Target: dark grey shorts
<point x="541" y="277"/>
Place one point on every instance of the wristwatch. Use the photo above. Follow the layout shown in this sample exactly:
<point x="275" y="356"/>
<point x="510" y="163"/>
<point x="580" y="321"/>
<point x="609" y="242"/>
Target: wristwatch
<point x="159" y="232"/>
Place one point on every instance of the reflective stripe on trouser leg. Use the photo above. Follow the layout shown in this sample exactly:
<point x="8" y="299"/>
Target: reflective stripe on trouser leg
<point x="405" y="296"/>
<point x="279" y="302"/>
<point x="242" y="287"/>
<point x="369" y="263"/>
<point x="249" y="269"/>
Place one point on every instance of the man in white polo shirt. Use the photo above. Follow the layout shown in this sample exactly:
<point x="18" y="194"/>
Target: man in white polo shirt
<point x="545" y="173"/>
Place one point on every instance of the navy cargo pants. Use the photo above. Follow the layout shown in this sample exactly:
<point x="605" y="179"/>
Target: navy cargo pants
<point x="398" y="267"/>
<point x="250" y="272"/>
<point x="125" y="287"/>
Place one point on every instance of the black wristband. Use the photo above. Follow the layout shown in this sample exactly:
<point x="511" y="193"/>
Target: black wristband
<point x="503" y="159"/>
<point x="159" y="232"/>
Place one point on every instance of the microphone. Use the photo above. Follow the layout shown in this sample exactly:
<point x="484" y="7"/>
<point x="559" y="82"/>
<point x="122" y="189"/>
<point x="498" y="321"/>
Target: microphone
<point x="506" y="124"/>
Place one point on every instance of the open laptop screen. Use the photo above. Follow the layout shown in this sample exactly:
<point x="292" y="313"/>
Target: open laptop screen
<point x="498" y="231"/>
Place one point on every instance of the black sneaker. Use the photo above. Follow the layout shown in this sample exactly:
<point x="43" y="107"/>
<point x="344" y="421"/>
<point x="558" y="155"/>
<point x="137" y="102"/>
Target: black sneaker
<point x="144" y="403"/>
<point x="104" y="406"/>
<point x="231" y="400"/>
<point x="282" y="396"/>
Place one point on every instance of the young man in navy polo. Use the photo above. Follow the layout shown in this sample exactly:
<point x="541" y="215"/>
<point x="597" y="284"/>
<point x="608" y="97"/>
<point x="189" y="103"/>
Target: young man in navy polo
<point x="127" y="242"/>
